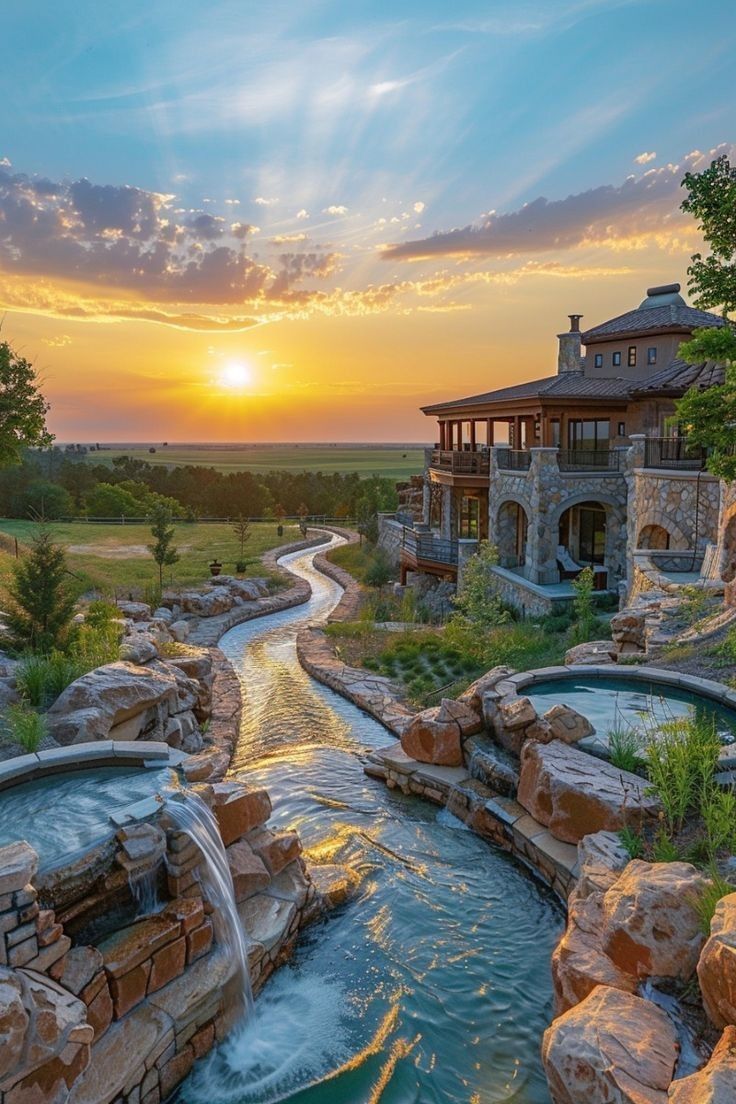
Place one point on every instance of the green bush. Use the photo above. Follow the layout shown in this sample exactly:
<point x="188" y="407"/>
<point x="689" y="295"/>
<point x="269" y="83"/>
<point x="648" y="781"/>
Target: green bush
<point x="718" y="810"/>
<point x="625" y="746"/>
<point x="705" y="904"/>
<point x="664" y="849"/>
<point x="586" y="623"/>
<point x="681" y="759"/>
<point x="378" y="572"/>
<point x="41" y="678"/>
<point x="632" y="842"/>
<point x="25" y="726"/>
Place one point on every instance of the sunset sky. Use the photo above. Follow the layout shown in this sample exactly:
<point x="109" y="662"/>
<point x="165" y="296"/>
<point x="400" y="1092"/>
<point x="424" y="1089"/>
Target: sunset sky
<point x="300" y="221"/>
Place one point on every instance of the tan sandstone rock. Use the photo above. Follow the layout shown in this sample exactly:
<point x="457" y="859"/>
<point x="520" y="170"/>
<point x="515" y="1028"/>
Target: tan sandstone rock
<point x="612" y="1048"/>
<point x="238" y="809"/>
<point x="716" y="1082"/>
<point x="473" y="696"/>
<point x="429" y="740"/>
<point x="567" y="724"/>
<point x="107" y="697"/>
<point x="650" y="925"/>
<point x="717" y="965"/>
<point x="573" y="793"/>
<point x="247" y="869"/>
<point x="579" y="963"/>
<point x="14" y="1021"/>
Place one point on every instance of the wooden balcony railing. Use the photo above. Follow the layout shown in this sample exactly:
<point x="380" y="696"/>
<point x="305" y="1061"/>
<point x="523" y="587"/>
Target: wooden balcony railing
<point x="673" y="453"/>
<point x="513" y="459"/>
<point x="461" y="462"/>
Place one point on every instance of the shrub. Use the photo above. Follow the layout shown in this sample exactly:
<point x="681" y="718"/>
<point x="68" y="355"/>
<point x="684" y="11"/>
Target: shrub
<point x="694" y="602"/>
<point x="705" y="903"/>
<point x="681" y="760"/>
<point x="664" y="849"/>
<point x="41" y="678"/>
<point x="100" y="614"/>
<point x="25" y="726"/>
<point x="625" y="747"/>
<point x="93" y="646"/>
<point x="378" y="572"/>
<point x="586" y="624"/>
<point x="41" y="607"/>
<point x="718" y="810"/>
<point x="632" y="842"/>
<point x="478" y="600"/>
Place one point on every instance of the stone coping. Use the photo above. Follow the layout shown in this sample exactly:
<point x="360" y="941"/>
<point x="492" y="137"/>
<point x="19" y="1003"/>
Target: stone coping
<point x="704" y="688"/>
<point x="144" y="754"/>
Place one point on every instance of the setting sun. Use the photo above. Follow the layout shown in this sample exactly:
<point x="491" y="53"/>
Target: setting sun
<point x="236" y="375"/>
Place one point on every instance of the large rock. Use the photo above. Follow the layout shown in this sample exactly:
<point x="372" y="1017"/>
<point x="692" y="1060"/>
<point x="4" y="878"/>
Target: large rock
<point x="612" y="1048"/>
<point x="579" y="963"/>
<point x="650" y="925"/>
<point x="108" y="697"/>
<point x="566" y="724"/>
<point x="716" y="1082"/>
<point x="573" y="793"/>
<point x="207" y="603"/>
<point x="429" y="740"/>
<point x="717" y="965"/>
<point x="238" y="810"/>
<point x="247" y="869"/>
<point x="485" y="685"/>
<point x="14" y="1021"/>
<point x="601" y="858"/>
<point x="18" y="864"/>
<point x="628" y="630"/>
<point x="591" y="653"/>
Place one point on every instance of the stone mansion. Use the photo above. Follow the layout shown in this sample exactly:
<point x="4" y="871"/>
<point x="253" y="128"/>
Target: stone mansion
<point x="584" y="467"/>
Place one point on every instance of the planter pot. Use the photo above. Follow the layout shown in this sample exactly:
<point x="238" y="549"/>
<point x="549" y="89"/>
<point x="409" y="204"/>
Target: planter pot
<point x="215" y="568"/>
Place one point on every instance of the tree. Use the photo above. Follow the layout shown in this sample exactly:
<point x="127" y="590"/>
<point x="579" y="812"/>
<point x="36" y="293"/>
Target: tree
<point x="41" y="606"/>
<point x="110" y="501"/>
<point x="242" y="531"/>
<point x="710" y="416"/>
<point x="162" y="549"/>
<point x="478" y="599"/>
<point x="23" y="408"/>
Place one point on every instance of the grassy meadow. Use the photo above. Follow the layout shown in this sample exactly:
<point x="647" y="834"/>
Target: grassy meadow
<point x="114" y="560"/>
<point x="393" y="462"/>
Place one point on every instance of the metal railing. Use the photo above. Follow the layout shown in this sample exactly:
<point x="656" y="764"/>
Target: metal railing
<point x="673" y="453"/>
<point x="513" y="459"/>
<point x="430" y="549"/>
<point x="589" y="460"/>
<point x="465" y="462"/>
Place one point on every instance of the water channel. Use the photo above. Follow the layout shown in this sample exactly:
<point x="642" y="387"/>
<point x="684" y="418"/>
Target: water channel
<point x="432" y="984"/>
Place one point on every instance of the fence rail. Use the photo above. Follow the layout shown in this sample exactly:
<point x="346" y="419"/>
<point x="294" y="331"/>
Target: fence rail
<point x="673" y="453"/>
<point x="589" y="459"/>
<point x="462" y="462"/>
<point x="293" y="519"/>
<point x="430" y="549"/>
<point x="513" y="459"/>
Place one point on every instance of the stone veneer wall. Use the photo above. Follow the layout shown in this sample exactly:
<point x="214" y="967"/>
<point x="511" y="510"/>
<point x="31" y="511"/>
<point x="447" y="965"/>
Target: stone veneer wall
<point x="390" y="533"/>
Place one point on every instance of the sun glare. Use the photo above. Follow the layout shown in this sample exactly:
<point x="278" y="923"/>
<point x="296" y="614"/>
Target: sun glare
<point x="236" y="375"/>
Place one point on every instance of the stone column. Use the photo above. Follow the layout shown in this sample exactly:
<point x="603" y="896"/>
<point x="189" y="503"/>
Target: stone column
<point x="446" y="513"/>
<point x="545" y="490"/>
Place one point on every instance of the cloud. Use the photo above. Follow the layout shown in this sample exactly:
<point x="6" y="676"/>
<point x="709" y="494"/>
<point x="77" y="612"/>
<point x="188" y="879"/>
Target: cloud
<point x="647" y="205"/>
<point x="334" y="209"/>
<point x="265" y="201"/>
<point x="123" y="239"/>
<point x="303" y="214"/>
<point x="284" y="239"/>
<point x="232" y="202"/>
<point x="645" y="158"/>
<point x="57" y="342"/>
<point x="419" y="207"/>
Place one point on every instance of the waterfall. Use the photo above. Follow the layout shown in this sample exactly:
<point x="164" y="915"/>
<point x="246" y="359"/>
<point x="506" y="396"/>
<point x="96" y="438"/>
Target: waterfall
<point x="192" y="816"/>
<point x="143" y="882"/>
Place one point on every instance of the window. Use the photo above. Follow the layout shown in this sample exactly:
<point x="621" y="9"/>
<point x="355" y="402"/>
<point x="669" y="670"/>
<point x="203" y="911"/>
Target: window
<point x="632" y="356"/>
<point x="652" y="354"/>
<point x="587" y="434"/>
<point x="554" y="426"/>
<point x="592" y="548"/>
<point x="616" y="360"/>
<point x="469" y="518"/>
<point x="621" y="429"/>
<point x="598" y="360"/>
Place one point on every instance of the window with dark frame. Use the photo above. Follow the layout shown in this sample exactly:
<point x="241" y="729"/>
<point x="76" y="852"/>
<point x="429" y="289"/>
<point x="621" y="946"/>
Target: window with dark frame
<point x="622" y="429"/>
<point x="588" y="434"/>
<point x="616" y="360"/>
<point x="632" y="356"/>
<point x="652" y="354"/>
<point x="598" y="360"/>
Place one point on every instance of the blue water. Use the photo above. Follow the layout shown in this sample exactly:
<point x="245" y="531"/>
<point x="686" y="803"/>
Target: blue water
<point x="611" y="703"/>
<point x="433" y="983"/>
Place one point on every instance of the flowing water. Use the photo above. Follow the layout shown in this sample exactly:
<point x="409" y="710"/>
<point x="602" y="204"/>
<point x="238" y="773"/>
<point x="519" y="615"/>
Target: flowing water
<point x="433" y="983"/>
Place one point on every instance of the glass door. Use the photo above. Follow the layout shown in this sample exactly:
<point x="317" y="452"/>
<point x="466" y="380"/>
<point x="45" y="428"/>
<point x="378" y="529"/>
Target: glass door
<point x="469" y="518"/>
<point x="592" y="535"/>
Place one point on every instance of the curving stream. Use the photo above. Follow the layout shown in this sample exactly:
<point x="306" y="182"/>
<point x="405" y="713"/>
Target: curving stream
<point x="432" y="984"/>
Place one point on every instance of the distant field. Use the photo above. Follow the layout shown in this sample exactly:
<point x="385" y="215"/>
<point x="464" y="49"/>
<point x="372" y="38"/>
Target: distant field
<point x="113" y="559"/>
<point x="396" y="463"/>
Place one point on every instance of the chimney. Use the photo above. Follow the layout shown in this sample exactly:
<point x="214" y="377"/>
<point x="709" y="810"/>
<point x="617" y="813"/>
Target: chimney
<point x="569" y="358"/>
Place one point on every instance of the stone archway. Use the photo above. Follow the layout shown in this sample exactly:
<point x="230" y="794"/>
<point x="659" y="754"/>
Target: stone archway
<point x="653" y="537"/>
<point x="592" y="529"/>
<point x="511" y="529"/>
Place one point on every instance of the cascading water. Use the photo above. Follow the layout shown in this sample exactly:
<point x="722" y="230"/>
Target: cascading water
<point x="192" y="816"/>
<point x="144" y="889"/>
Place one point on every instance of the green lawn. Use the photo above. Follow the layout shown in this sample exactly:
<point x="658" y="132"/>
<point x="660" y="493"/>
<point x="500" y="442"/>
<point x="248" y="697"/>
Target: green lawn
<point x="114" y="558"/>
<point x="396" y="463"/>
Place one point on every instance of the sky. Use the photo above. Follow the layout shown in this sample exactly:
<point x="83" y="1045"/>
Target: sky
<point x="300" y="221"/>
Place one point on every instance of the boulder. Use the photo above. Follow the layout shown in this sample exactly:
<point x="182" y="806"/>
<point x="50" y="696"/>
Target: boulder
<point x="238" y="810"/>
<point x="18" y="864"/>
<point x="579" y="962"/>
<point x="138" y="648"/>
<point x="275" y="851"/>
<point x="612" y="1048"/>
<point x="14" y="1021"/>
<point x="473" y="696"/>
<point x="468" y="720"/>
<point x="573" y="793"/>
<point x="591" y="653"/>
<point x="628" y="630"/>
<point x="110" y="696"/>
<point x="180" y="631"/>
<point x="248" y="872"/>
<point x="714" y="1083"/>
<point x="717" y="965"/>
<point x="650" y="925"/>
<point x="207" y="603"/>
<point x="601" y="858"/>
<point x="429" y="740"/>
<point x="135" y="611"/>
<point x="567" y="724"/>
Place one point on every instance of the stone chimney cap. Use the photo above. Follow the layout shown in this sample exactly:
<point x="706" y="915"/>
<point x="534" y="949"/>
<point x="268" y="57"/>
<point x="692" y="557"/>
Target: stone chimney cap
<point x="574" y="322"/>
<point x="664" y="289"/>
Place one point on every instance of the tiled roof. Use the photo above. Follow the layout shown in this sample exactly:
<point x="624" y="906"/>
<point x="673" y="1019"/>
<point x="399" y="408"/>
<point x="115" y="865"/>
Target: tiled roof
<point x="670" y="316"/>
<point x="679" y="376"/>
<point x="568" y="384"/>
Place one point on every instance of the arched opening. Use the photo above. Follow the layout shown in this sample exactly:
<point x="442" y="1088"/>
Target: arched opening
<point x="512" y="526"/>
<point x="582" y="541"/>
<point x="653" y="537"/>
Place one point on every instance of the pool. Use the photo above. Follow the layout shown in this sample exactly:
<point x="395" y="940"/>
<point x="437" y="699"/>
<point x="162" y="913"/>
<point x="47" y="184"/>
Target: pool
<point x="620" y="702"/>
<point x="62" y="814"/>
